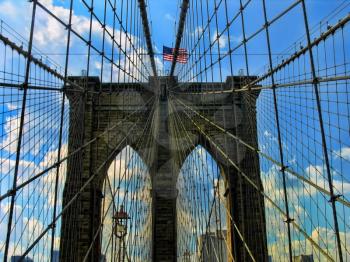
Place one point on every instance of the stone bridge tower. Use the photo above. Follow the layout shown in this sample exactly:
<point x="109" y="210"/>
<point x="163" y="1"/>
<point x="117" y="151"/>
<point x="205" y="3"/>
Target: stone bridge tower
<point x="107" y="105"/>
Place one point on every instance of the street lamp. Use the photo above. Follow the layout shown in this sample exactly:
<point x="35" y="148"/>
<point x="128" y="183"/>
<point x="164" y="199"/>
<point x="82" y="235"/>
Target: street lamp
<point x="120" y="230"/>
<point x="121" y="217"/>
<point x="187" y="256"/>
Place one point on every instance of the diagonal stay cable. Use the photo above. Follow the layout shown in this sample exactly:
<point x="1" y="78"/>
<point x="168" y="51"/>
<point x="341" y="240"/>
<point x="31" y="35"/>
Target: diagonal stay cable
<point x="322" y="37"/>
<point x="124" y="30"/>
<point x="221" y="151"/>
<point x="151" y="116"/>
<point x="212" y="205"/>
<point x="146" y="30"/>
<point x="260" y="87"/>
<point x="254" y="85"/>
<point x="287" y="169"/>
<point x="179" y="35"/>
<point x="237" y="229"/>
<point x="11" y="192"/>
<point x="44" y="8"/>
<point x="341" y="23"/>
<point x="242" y="43"/>
<point x="74" y="198"/>
<point x="240" y="234"/>
<point x="38" y="62"/>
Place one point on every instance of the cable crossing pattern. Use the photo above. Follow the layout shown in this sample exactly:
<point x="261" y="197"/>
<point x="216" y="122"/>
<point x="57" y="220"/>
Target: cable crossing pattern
<point x="240" y="154"/>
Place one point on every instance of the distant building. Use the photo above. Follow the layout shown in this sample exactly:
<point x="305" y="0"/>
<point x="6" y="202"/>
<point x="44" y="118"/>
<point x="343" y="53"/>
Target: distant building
<point x="213" y="247"/>
<point x="18" y="258"/>
<point x="304" y="258"/>
<point x="56" y="256"/>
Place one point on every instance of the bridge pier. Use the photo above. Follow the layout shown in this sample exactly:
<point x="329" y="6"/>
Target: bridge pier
<point x="236" y="112"/>
<point x="247" y="204"/>
<point x="164" y="178"/>
<point x="81" y="218"/>
<point x="90" y="115"/>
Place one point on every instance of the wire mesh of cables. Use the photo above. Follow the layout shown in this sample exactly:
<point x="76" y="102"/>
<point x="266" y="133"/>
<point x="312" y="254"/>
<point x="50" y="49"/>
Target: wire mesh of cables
<point x="281" y="148"/>
<point x="38" y="96"/>
<point x="292" y="62"/>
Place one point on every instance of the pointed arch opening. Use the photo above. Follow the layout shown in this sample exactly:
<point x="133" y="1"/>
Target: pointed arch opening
<point x="126" y="213"/>
<point x="202" y="214"/>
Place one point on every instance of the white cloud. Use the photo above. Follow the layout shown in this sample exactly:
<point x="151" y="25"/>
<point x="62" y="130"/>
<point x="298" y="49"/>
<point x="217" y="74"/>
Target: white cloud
<point x="236" y="39"/>
<point x="33" y="224"/>
<point x="48" y="31"/>
<point x="299" y="194"/>
<point x="51" y="37"/>
<point x="51" y="156"/>
<point x="296" y="191"/>
<point x="7" y="8"/>
<point x="29" y="227"/>
<point x="127" y="164"/>
<point x="220" y="188"/>
<point x="11" y="128"/>
<point x="317" y="174"/>
<point x="197" y="31"/>
<point x="15" y="249"/>
<point x="48" y="181"/>
<point x="344" y="153"/>
<point x="314" y="170"/>
<point x="5" y="208"/>
<point x="11" y="106"/>
<point x="323" y="236"/>
<point x="221" y="40"/>
<point x="25" y="169"/>
<point x="32" y="138"/>
<point x="267" y="133"/>
<point x="159" y="64"/>
<point x="169" y="17"/>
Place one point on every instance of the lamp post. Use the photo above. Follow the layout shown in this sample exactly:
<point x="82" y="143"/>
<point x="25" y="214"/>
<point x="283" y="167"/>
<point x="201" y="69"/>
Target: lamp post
<point x="187" y="256"/>
<point x="121" y="230"/>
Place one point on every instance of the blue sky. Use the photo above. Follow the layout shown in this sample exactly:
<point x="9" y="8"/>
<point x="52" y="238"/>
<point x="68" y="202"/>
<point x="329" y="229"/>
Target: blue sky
<point x="299" y="123"/>
<point x="163" y="16"/>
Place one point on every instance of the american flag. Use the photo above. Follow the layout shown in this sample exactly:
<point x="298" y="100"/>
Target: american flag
<point x="168" y="54"/>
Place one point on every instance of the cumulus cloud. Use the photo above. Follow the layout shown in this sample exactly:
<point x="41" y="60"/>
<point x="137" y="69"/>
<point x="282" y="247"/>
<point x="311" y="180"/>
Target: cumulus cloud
<point x="25" y="169"/>
<point x="51" y="37"/>
<point x="50" y="32"/>
<point x="299" y="195"/>
<point x="344" y="153"/>
<point x="221" y="40"/>
<point x="11" y="127"/>
<point x="7" y="8"/>
<point x="298" y="190"/>
<point x="198" y="31"/>
<point x="322" y="236"/>
<point x="11" y="106"/>
<point x="317" y="174"/>
<point x="29" y="225"/>
<point x="135" y="186"/>
<point x="5" y="208"/>
<point x="32" y="138"/>
<point x="126" y="168"/>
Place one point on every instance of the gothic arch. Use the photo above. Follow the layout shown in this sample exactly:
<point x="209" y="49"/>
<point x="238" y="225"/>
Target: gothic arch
<point x="197" y="216"/>
<point x="129" y="183"/>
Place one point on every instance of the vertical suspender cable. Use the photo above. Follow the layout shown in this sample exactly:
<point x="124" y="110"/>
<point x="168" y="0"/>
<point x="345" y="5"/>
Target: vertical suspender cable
<point x="288" y="220"/>
<point x="333" y="197"/>
<point x="20" y="132"/>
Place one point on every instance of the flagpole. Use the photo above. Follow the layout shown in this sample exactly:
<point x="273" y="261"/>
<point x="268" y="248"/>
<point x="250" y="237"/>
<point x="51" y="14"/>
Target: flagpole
<point x="163" y="61"/>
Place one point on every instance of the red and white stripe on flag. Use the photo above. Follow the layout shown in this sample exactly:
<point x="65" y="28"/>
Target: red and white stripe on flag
<point x="168" y="54"/>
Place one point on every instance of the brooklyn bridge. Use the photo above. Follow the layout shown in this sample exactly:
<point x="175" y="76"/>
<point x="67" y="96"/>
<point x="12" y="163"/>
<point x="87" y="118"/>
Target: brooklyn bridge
<point x="188" y="130"/>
